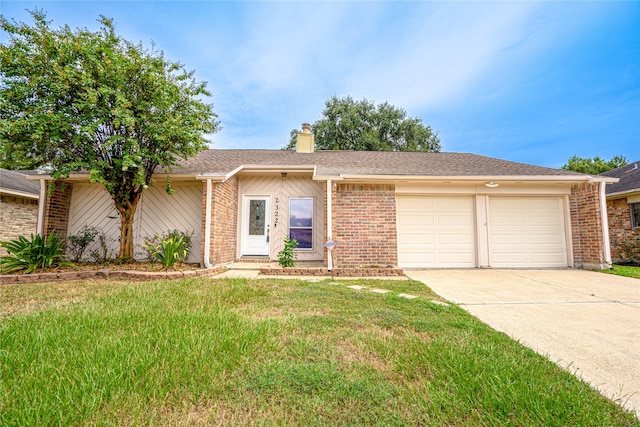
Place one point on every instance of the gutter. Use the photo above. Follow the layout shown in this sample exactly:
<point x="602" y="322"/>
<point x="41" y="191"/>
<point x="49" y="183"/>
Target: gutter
<point x="19" y="193"/>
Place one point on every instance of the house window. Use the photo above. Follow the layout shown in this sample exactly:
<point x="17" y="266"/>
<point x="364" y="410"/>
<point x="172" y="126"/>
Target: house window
<point x="301" y="221"/>
<point x="635" y="214"/>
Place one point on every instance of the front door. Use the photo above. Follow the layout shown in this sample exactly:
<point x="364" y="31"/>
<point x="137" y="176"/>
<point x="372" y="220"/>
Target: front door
<point x="255" y="225"/>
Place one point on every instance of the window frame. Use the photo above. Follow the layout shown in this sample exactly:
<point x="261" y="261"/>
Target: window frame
<point x="312" y="227"/>
<point x="634" y="209"/>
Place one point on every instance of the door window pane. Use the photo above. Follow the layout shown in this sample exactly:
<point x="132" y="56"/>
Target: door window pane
<point x="256" y="217"/>
<point x="301" y="221"/>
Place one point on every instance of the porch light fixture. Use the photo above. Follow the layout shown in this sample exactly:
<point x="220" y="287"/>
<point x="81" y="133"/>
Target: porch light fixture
<point x="283" y="174"/>
<point x="491" y="184"/>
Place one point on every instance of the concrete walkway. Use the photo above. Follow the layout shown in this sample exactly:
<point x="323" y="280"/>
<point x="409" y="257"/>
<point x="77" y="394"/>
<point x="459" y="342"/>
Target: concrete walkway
<point x="586" y="322"/>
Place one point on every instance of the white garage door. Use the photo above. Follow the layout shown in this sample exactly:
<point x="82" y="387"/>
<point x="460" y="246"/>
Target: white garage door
<point x="527" y="232"/>
<point x="435" y="232"/>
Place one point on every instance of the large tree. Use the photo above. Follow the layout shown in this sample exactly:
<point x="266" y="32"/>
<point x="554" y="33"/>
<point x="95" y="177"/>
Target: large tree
<point x="77" y="100"/>
<point x="594" y="166"/>
<point x="347" y="124"/>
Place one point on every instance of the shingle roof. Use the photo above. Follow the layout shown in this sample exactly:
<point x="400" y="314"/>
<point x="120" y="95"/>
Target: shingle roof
<point x="335" y="163"/>
<point x="629" y="178"/>
<point x="17" y="181"/>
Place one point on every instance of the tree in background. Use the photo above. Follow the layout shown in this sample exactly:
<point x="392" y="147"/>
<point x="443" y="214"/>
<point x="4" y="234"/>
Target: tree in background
<point x="594" y="166"/>
<point x="347" y="124"/>
<point x="92" y="101"/>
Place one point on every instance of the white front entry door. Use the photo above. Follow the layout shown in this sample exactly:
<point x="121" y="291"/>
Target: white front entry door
<point x="256" y="225"/>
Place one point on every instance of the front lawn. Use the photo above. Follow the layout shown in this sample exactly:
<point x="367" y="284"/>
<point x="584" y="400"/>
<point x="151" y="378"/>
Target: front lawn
<point x="624" y="270"/>
<point x="270" y="352"/>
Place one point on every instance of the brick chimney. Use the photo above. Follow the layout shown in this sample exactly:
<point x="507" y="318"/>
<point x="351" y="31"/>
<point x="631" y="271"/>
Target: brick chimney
<point x="305" y="140"/>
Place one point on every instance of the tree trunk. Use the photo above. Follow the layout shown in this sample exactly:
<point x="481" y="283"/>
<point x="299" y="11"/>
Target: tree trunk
<point x="126" y="228"/>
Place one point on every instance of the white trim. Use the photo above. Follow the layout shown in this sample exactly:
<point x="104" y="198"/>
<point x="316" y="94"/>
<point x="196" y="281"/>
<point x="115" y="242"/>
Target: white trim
<point x="19" y="193"/>
<point x="41" y="205"/>
<point x="606" y="247"/>
<point x="474" y="178"/>
<point x="568" y="233"/>
<point x="482" y="230"/>
<point x="207" y="226"/>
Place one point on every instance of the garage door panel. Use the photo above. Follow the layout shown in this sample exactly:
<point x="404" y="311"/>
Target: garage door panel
<point x="435" y="232"/>
<point x="527" y="232"/>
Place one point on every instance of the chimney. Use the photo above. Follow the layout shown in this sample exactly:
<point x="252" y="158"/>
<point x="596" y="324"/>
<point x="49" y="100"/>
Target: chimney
<point x="305" y="140"/>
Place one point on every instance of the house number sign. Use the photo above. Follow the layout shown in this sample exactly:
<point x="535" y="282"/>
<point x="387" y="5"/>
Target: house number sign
<point x="276" y="213"/>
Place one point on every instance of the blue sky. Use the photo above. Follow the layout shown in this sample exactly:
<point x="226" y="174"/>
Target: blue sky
<point x="535" y="82"/>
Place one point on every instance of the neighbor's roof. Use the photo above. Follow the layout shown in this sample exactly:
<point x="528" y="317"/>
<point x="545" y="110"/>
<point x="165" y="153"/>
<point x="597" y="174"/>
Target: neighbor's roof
<point x="629" y="179"/>
<point x="15" y="182"/>
<point x="366" y="163"/>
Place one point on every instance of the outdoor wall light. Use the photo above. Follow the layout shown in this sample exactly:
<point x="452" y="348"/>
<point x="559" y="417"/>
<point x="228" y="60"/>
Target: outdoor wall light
<point x="491" y="184"/>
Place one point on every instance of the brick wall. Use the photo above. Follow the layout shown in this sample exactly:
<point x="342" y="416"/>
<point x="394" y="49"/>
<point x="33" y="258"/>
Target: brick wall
<point x="365" y="224"/>
<point x="56" y="211"/>
<point x="224" y="211"/>
<point x="586" y="226"/>
<point x="18" y="216"/>
<point x="620" y="229"/>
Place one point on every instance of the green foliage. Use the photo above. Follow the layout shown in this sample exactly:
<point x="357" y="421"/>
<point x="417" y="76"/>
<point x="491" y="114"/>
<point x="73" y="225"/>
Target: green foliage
<point x="93" y="101"/>
<point x="169" y="248"/>
<point x="594" y="166"/>
<point x="78" y="243"/>
<point x="287" y="256"/>
<point x="347" y="124"/>
<point x="272" y="352"/>
<point x="628" y="250"/>
<point x="38" y="252"/>
<point x="101" y="255"/>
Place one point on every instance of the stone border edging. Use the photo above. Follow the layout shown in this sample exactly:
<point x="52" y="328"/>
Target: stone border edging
<point x="108" y="273"/>
<point x="336" y="272"/>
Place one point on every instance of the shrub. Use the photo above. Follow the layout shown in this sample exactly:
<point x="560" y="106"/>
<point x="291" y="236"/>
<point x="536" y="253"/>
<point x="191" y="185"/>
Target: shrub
<point x="78" y="243"/>
<point x="629" y="250"/>
<point x="287" y="256"/>
<point x="102" y="254"/>
<point x="39" y="252"/>
<point x="169" y="248"/>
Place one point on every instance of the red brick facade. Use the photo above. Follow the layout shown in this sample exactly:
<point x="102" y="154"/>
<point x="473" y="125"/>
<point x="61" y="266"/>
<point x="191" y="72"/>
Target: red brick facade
<point x="56" y="210"/>
<point x="586" y="226"/>
<point x="365" y="224"/>
<point x="620" y="228"/>
<point x="224" y="210"/>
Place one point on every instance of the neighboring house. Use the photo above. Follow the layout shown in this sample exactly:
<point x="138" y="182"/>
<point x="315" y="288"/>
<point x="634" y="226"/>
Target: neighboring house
<point x="623" y="206"/>
<point x="18" y="205"/>
<point x="411" y="209"/>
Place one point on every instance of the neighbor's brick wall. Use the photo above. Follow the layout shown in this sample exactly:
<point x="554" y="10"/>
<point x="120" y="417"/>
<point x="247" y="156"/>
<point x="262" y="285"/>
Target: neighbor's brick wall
<point x="56" y="211"/>
<point x="18" y="216"/>
<point x="365" y="225"/>
<point x="224" y="209"/>
<point x="620" y="229"/>
<point x="586" y="225"/>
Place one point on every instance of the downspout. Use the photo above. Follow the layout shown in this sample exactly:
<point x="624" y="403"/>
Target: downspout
<point x="207" y="226"/>
<point x="329" y="211"/>
<point x="41" y="205"/>
<point x="604" y="220"/>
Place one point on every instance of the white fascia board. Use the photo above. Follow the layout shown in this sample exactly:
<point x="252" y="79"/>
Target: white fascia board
<point x="278" y="168"/>
<point x="621" y="194"/>
<point x="19" y="193"/>
<point x="476" y="178"/>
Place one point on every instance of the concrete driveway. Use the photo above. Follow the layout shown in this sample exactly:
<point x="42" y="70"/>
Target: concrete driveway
<point x="586" y="322"/>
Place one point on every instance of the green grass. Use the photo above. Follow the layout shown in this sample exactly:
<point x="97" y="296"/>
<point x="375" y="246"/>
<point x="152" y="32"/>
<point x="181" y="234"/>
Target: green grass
<point x="271" y="352"/>
<point x="624" y="270"/>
